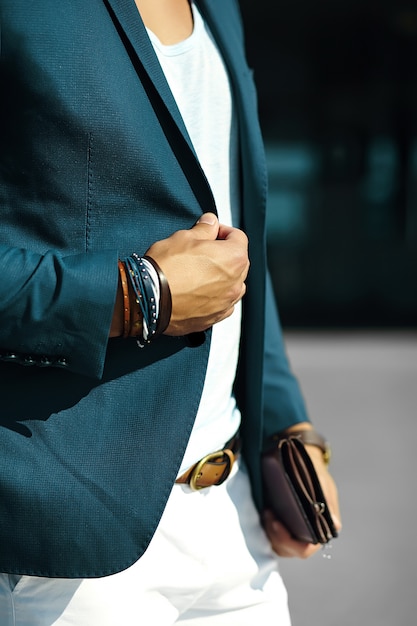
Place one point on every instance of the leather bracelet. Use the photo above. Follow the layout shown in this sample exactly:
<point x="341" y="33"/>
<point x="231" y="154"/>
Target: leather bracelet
<point x="165" y="300"/>
<point x="126" y="300"/>
<point x="310" y="437"/>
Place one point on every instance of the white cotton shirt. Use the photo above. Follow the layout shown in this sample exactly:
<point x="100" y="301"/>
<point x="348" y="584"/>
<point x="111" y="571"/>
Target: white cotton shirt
<point x="198" y="80"/>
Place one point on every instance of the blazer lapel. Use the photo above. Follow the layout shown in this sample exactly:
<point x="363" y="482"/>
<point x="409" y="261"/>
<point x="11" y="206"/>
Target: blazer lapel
<point x="219" y="23"/>
<point x="133" y="33"/>
<point x="132" y="30"/>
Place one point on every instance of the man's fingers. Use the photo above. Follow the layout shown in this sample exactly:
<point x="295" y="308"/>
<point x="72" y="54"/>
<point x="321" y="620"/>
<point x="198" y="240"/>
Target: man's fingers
<point x="207" y="227"/>
<point x="206" y="273"/>
<point x="232" y="234"/>
<point x="282" y="542"/>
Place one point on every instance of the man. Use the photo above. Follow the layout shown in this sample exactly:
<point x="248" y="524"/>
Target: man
<point x="133" y="181"/>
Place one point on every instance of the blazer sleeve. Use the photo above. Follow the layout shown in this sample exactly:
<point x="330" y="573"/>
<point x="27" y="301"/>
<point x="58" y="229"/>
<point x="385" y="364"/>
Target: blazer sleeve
<point x="283" y="401"/>
<point x="56" y="311"/>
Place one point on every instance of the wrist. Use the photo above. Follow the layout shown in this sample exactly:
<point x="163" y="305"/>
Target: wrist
<point x="143" y="302"/>
<point x="311" y="438"/>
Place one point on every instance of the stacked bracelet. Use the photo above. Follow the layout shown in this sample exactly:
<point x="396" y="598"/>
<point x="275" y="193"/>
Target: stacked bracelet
<point x="147" y="301"/>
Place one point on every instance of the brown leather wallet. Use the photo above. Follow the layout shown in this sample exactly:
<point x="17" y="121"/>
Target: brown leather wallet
<point x="293" y="492"/>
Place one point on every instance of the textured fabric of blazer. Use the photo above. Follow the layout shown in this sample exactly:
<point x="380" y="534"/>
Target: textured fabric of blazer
<point x="95" y="164"/>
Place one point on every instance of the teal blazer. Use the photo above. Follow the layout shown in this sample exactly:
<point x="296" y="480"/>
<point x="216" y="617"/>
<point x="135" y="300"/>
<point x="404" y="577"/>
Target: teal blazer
<point x="96" y="163"/>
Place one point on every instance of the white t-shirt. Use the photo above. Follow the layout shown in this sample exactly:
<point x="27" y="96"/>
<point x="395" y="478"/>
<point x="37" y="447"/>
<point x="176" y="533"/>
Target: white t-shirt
<point x="198" y="80"/>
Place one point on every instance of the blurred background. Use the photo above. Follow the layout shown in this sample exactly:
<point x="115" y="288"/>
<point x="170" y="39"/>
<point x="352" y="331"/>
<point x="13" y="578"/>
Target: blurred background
<point x="337" y="87"/>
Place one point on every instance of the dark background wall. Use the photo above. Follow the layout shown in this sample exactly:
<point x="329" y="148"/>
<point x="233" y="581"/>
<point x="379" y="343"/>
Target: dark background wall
<point x="337" y="85"/>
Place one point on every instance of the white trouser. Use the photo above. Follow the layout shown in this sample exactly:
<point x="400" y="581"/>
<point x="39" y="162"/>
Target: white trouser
<point x="209" y="564"/>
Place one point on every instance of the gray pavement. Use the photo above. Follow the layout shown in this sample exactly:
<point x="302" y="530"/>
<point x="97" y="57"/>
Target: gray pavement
<point x="361" y="391"/>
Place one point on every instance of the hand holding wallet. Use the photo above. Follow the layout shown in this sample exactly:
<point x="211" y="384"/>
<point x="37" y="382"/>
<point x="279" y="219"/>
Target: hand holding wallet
<point x="293" y="492"/>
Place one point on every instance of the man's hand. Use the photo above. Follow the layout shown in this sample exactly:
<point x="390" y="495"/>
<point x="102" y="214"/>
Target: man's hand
<point x="206" y="269"/>
<point x="282" y="542"/>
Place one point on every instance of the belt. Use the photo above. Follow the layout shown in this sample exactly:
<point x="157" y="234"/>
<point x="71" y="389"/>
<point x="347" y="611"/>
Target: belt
<point x="214" y="468"/>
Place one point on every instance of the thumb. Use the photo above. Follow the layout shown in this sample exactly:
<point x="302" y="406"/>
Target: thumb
<point x="206" y="227"/>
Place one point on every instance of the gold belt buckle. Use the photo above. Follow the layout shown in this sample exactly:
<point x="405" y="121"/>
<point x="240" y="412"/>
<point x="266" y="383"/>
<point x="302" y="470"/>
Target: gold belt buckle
<point x="196" y="473"/>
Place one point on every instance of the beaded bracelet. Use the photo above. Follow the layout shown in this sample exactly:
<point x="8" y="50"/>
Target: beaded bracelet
<point x="146" y="296"/>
